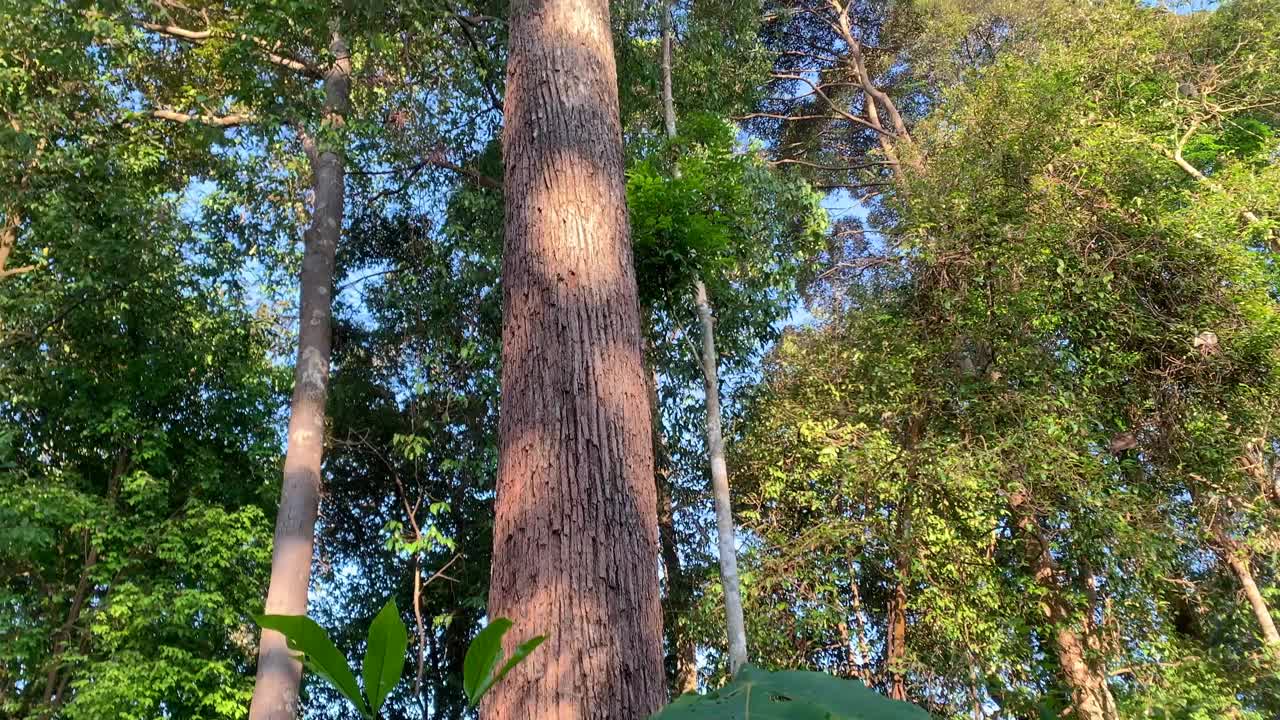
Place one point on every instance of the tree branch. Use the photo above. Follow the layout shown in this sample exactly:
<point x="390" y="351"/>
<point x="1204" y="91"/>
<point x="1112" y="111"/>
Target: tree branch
<point x="438" y="160"/>
<point x="9" y="238"/>
<point x="1194" y="172"/>
<point x="835" y="108"/>
<point x="200" y="36"/>
<point x="836" y="168"/>
<point x="232" y="120"/>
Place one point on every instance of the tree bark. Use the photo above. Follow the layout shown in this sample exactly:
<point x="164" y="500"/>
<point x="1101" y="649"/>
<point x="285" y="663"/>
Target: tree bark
<point x="575" y="530"/>
<point x="1091" y="697"/>
<point x="720" y="487"/>
<point x="275" y="693"/>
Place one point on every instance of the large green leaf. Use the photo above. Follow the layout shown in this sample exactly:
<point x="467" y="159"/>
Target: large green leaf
<point x="757" y="694"/>
<point x="485" y="653"/>
<point x="384" y="655"/>
<point x="319" y="654"/>
<point x="483" y="656"/>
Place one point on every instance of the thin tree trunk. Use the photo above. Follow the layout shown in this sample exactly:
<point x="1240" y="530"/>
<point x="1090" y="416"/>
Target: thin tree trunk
<point x="1241" y="568"/>
<point x="896" y="641"/>
<point x="275" y="693"/>
<point x="677" y="600"/>
<point x="686" y="680"/>
<point x="720" y="487"/>
<point x="715" y="442"/>
<point x="1091" y="697"/>
<point x="686" y="656"/>
<point x="575" y="531"/>
<point x="863" y="670"/>
<point x="56" y="682"/>
<point x="668" y="99"/>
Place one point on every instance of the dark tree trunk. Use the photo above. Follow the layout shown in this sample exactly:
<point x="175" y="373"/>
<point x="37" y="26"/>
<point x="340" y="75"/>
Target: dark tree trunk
<point x="1091" y="697"/>
<point x="575" y="531"/>
<point x="275" y="693"/>
<point x="896" y="641"/>
<point x="685" y="662"/>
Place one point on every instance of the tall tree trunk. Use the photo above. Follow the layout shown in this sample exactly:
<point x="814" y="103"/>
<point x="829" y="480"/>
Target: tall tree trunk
<point x="575" y="530"/>
<point x="275" y="694"/>
<point x="715" y="442"/>
<point x="720" y="487"/>
<point x="677" y="600"/>
<point x="1091" y="697"/>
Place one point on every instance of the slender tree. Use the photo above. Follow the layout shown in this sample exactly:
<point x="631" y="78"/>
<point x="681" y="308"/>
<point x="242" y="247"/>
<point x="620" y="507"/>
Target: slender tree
<point x="575" y="529"/>
<point x="735" y="625"/>
<point x="275" y="694"/>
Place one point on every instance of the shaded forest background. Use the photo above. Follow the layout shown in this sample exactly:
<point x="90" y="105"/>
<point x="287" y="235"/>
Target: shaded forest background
<point x="995" y="296"/>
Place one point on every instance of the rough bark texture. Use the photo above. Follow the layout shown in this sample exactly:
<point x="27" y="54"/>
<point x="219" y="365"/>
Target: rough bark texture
<point x="1091" y="697"/>
<point x="720" y="487"/>
<point x="575" y="530"/>
<point x="275" y="693"/>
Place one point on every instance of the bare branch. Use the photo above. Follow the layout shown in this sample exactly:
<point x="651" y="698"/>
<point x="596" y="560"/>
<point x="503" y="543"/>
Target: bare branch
<point x="232" y="120"/>
<point x="835" y="108"/>
<point x="200" y="36"/>
<point x="784" y="118"/>
<point x="836" y="168"/>
<point x="174" y="31"/>
<point x="438" y="160"/>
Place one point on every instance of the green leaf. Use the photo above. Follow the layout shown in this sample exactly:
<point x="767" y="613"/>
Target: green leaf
<point x="384" y="655"/>
<point x="485" y="653"/>
<point x="319" y="654"/>
<point x="482" y="657"/>
<point x="757" y="694"/>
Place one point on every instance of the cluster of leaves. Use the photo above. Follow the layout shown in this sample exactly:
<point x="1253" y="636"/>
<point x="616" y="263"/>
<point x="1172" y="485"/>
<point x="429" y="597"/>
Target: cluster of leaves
<point x="384" y="657"/>
<point x="137" y="470"/>
<point x="1076" y="345"/>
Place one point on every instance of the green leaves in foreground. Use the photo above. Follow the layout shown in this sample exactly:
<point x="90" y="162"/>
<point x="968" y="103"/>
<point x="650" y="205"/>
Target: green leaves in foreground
<point x="319" y="654"/>
<point x="383" y="658"/>
<point x="385" y="653"/>
<point x="757" y="694"/>
<point x="485" y="653"/>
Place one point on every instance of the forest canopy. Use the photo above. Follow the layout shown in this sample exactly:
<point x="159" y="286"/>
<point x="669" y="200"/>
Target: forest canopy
<point x="929" y="345"/>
